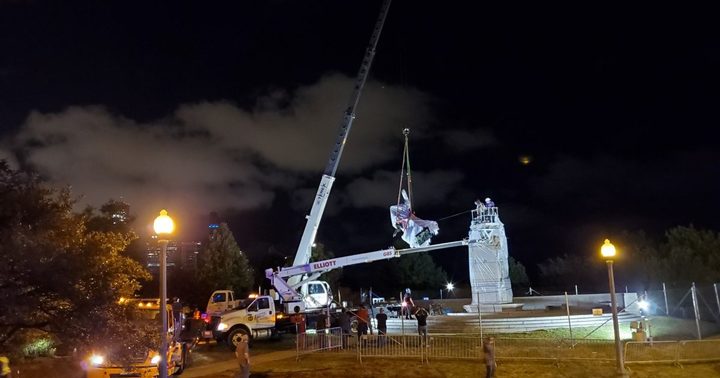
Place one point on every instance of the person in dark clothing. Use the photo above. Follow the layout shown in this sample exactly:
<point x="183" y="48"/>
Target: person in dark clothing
<point x="421" y="315"/>
<point x="345" y="327"/>
<point x="381" y="318"/>
<point x="489" y="350"/>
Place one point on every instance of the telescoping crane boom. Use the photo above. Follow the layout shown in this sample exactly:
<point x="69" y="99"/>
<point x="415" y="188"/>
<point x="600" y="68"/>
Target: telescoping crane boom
<point x="316" y="268"/>
<point x="302" y="256"/>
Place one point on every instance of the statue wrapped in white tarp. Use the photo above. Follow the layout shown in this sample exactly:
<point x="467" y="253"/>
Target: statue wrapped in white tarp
<point x="416" y="232"/>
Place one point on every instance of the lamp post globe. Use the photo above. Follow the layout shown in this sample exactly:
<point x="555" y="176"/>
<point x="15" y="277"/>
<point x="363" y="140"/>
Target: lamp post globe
<point x="163" y="226"/>
<point x="608" y="249"/>
<point x="608" y="252"/>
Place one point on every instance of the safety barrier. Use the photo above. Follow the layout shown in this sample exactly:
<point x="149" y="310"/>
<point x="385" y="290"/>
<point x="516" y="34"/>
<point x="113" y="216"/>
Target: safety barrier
<point x="672" y="351"/>
<point x="391" y="346"/>
<point x="471" y="347"/>
<point x="329" y="339"/>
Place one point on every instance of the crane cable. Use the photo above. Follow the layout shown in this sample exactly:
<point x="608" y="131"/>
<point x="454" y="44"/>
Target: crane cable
<point x="406" y="164"/>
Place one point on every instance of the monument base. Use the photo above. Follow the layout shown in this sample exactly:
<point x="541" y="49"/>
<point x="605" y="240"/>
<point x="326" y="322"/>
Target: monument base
<point x="493" y="307"/>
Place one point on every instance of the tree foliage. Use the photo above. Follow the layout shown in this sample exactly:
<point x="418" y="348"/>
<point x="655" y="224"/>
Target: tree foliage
<point x="518" y="274"/>
<point x="685" y="254"/>
<point x="419" y="271"/>
<point x="62" y="272"/>
<point x="222" y="265"/>
<point x="320" y="253"/>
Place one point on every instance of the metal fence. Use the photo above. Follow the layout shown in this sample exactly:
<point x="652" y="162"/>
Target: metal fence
<point x="470" y="347"/>
<point x="330" y="339"/>
<point x="672" y="351"/>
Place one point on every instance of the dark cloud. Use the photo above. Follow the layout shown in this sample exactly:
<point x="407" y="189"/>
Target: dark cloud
<point x="215" y="155"/>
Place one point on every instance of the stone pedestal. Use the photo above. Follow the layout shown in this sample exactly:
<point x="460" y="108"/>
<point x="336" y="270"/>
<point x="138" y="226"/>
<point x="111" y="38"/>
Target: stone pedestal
<point x="488" y="262"/>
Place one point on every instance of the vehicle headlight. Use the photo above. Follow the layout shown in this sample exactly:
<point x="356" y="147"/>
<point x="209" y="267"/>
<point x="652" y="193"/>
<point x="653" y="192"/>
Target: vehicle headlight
<point x="155" y="359"/>
<point x="97" y="359"/>
<point x="222" y="327"/>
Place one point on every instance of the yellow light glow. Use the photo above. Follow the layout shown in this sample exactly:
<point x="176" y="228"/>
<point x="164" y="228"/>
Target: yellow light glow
<point x="252" y="296"/>
<point x="607" y="250"/>
<point x="163" y="224"/>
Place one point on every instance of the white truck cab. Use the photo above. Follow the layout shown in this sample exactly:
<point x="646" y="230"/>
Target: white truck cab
<point x="316" y="295"/>
<point x="254" y="317"/>
<point x="221" y="301"/>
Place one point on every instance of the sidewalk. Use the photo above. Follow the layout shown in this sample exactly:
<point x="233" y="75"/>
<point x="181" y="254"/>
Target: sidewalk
<point x="211" y="370"/>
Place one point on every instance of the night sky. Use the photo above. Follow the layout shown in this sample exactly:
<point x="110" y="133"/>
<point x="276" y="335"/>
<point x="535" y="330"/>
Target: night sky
<point x="233" y="107"/>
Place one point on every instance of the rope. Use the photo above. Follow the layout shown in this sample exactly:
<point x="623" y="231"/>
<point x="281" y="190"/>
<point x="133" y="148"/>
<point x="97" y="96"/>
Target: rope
<point x="454" y="215"/>
<point x="402" y="173"/>
<point x="406" y="132"/>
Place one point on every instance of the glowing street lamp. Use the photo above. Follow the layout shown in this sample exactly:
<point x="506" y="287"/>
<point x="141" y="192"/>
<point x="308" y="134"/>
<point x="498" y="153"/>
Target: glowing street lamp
<point x="608" y="252"/>
<point x="163" y="226"/>
<point x="449" y="287"/>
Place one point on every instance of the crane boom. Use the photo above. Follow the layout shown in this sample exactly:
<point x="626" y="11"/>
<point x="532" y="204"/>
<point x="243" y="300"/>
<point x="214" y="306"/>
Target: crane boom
<point x="302" y="256"/>
<point x="289" y="293"/>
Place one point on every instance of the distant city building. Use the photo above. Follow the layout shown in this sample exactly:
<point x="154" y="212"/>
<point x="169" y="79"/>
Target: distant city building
<point x="180" y="255"/>
<point x="189" y="252"/>
<point x="153" y="254"/>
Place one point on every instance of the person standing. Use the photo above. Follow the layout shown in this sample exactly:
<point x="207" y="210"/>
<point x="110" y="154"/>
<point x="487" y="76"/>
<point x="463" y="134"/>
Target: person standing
<point x="408" y="304"/>
<point x="345" y="328"/>
<point x="421" y="315"/>
<point x="381" y="318"/>
<point x="320" y="327"/>
<point x="242" y="353"/>
<point x="299" y="320"/>
<point x="489" y="350"/>
<point x="363" y="318"/>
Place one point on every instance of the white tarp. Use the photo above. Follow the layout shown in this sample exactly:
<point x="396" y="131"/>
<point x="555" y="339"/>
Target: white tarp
<point x="416" y="232"/>
<point x="488" y="258"/>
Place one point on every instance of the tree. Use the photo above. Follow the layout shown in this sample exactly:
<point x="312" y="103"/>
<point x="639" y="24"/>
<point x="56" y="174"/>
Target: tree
<point x="689" y="255"/>
<point x="62" y="274"/>
<point x="222" y="265"/>
<point x="518" y="275"/>
<point x="320" y="253"/>
<point x="561" y="273"/>
<point x="418" y="271"/>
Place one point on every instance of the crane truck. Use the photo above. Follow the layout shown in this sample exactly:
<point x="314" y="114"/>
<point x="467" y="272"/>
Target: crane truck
<point x="266" y="316"/>
<point x="317" y="294"/>
<point x="297" y="286"/>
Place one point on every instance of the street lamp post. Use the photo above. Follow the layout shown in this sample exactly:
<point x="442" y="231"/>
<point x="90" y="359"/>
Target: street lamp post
<point x="608" y="252"/>
<point x="163" y="226"/>
<point x="449" y="288"/>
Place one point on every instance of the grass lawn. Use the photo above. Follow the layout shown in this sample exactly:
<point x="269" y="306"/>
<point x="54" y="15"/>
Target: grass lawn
<point x="336" y="365"/>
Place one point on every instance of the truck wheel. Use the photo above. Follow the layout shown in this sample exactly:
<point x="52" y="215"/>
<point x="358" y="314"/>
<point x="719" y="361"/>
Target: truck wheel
<point x="234" y="337"/>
